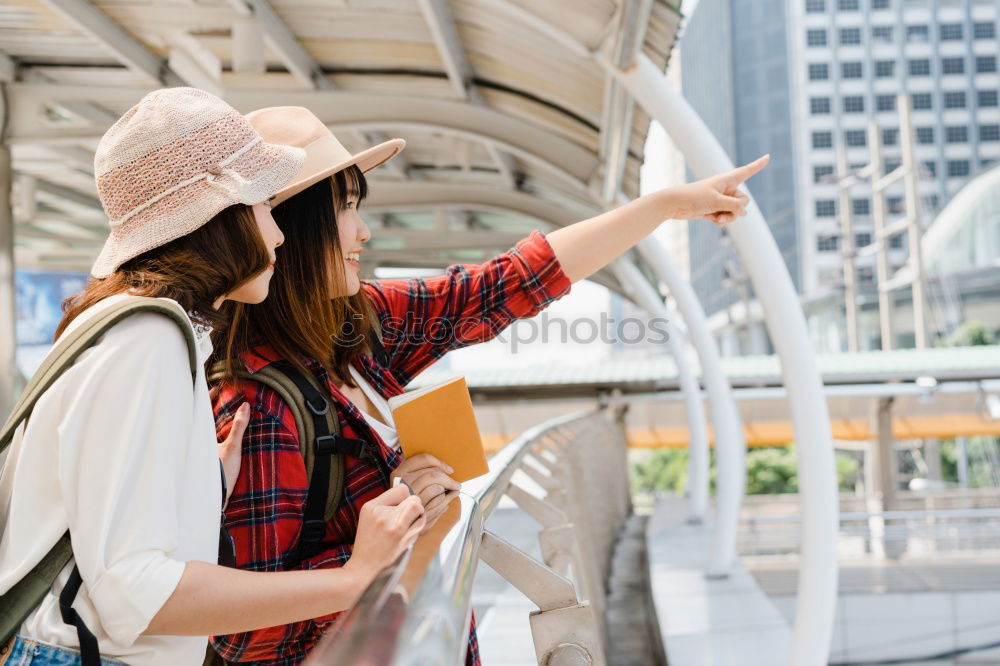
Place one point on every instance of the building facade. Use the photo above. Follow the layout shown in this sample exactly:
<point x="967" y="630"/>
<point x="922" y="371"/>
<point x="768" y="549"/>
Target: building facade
<point x="839" y="64"/>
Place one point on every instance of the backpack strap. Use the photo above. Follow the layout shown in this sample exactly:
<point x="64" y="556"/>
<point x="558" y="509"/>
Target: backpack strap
<point x="320" y="443"/>
<point x="27" y="594"/>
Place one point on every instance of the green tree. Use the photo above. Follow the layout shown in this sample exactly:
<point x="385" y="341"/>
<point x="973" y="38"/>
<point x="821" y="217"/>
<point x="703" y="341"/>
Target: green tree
<point x="770" y="470"/>
<point x="969" y="334"/>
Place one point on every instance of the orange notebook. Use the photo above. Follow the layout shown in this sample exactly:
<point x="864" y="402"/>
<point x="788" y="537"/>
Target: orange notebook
<point x="439" y="420"/>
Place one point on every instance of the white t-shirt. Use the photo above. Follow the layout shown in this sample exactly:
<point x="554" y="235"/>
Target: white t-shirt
<point x="123" y="453"/>
<point x="386" y="432"/>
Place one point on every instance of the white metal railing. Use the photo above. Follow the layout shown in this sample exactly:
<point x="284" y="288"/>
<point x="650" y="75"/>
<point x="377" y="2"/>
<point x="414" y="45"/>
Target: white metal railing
<point x="934" y="532"/>
<point x="419" y="610"/>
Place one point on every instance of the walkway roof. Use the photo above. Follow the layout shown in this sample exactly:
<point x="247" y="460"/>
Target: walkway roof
<point x="507" y="129"/>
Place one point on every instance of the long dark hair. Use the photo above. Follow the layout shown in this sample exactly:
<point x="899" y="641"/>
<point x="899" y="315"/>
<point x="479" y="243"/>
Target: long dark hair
<point x="194" y="270"/>
<point x="299" y="319"/>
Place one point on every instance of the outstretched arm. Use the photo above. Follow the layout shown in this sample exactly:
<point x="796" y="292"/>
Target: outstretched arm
<point x="586" y="247"/>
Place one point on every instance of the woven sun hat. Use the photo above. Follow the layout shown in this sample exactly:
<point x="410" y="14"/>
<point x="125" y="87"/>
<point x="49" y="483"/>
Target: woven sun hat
<point x="172" y="163"/>
<point x="325" y="155"/>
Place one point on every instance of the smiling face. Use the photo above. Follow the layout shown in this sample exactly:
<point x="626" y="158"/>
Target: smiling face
<point x="256" y="288"/>
<point x="352" y="233"/>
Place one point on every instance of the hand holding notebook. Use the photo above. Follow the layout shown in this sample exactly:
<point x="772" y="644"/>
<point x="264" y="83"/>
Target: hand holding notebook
<point x="439" y="420"/>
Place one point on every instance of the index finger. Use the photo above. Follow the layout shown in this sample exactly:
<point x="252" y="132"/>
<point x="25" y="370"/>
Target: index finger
<point x="747" y="171"/>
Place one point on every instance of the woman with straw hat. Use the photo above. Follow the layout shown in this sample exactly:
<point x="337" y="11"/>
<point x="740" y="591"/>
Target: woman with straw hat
<point x="120" y="451"/>
<point x="321" y="316"/>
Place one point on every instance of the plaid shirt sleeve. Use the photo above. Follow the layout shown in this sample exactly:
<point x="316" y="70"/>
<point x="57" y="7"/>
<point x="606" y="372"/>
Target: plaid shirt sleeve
<point x="423" y="319"/>
<point x="264" y="515"/>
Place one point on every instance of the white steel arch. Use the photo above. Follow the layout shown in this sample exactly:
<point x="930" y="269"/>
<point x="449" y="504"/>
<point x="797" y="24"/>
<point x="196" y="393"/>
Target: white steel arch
<point x="643" y="294"/>
<point x="787" y="327"/>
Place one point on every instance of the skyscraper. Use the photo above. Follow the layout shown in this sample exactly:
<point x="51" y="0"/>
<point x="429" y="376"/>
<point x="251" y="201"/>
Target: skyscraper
<point x="797" y="77"/>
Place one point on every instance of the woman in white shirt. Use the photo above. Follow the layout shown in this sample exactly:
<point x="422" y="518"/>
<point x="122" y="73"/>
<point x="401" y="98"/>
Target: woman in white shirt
<point x="122" y="452"/>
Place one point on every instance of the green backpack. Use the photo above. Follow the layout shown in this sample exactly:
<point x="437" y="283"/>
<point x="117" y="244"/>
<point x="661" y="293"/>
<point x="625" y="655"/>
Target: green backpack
<point x="27" y="594"/>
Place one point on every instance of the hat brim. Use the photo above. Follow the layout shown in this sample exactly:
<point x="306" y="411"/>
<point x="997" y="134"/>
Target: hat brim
<point x="366" y="160"/>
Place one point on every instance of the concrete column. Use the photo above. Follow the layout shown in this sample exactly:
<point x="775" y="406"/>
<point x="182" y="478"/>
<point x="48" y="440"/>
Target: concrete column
<point x="8" y="340"/>
<point x="962" y="460"/>
<point x="883" y="463"/>
<point x="932" y="454"/>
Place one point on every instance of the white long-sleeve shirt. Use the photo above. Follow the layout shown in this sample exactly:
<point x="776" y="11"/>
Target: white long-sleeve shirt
<point x="122" y="452"/>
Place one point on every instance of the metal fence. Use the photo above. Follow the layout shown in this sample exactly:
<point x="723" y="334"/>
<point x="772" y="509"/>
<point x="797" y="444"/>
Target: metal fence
<point x="419" y="610"/>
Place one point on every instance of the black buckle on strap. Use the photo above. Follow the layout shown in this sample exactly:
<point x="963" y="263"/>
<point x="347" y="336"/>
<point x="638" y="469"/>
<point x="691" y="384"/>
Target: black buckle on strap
<point x="320" y="410"/>
<point x="312" y="531"/>
<point x="338" y="445"/>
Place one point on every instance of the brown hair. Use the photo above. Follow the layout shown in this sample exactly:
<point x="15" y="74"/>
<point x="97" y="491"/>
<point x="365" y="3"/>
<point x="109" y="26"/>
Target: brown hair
<point x="194" y="270"/>
<point x="299" y="319"/>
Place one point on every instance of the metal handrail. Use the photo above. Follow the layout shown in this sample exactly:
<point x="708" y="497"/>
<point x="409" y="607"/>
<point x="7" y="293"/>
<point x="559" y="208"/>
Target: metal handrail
<point x="423" y="601"/>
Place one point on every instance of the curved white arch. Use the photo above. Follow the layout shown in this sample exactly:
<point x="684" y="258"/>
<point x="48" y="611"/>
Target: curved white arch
<point x="979" y="197"/>
<point x="643" y="294"/>
<point x="786" y="324"/>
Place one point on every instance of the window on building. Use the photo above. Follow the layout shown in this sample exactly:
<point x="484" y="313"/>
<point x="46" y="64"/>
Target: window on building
<point x="986" y="64"/>
<point x="854" y="104"/>
<point x="816" y="37"/>
<point x="917" y="33"/>
<point x="849" y="36"/>
<point x="986" y="98"/>
<point x="951" y="32"/>
<point x="866" y="274"/>
<point x="815" y="6"/>
<point x="848" y="5"/>
<point x="921" y="101"/>
<point x="822" y="139"/>
<point x="956" y="134"/>
<point x="885" y="69"/>
<point x="885" y="102"/>
<point x="989" y="132"/>
<point x="953" y="65"/>
<point x="890" y="136"/>
<point x="985" y="30"/>
<point x="851" y="70"/>
<point x="861" y="207"/>
<point x="819" y="71"/>
<point x="928" y="170"/>
<point x="826" y="208"/>
<point x="882" y="34"/>
<point x="890" y="164"/>
<point x="856" y="138"/>
<point x="827" y="243"/>
<point x="925" y="135"/>
<point x="822" y="172"/>
<point x="880" y="4"/>
<point x="920" y="67"/>
<point x="896" y="241"/>
<point x="862" y="239"/>
<point x="954" y="99"/>
<point x="958" y="168"/>
<point x="819" y="105"/>
<point x="931" y="202"/>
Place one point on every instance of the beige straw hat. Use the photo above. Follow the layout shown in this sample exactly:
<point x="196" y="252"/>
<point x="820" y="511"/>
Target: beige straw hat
<point x="174" y="161"/>
<point x="325" y="155"/>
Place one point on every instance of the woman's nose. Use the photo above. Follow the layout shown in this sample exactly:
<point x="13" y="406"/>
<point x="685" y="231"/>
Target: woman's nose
<point x="364" y="233"/>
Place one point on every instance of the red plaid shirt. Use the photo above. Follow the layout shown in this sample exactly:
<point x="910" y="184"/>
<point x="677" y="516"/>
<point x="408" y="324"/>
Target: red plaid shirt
<point x="421" y="320"/>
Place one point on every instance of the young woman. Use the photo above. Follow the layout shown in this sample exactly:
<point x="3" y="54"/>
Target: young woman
<point x="320" y="316"/>
<point x="121" y="450"/>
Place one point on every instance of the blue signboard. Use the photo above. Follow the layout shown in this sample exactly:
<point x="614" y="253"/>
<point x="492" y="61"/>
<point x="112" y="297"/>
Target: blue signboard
<point x="39" y="303"/>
